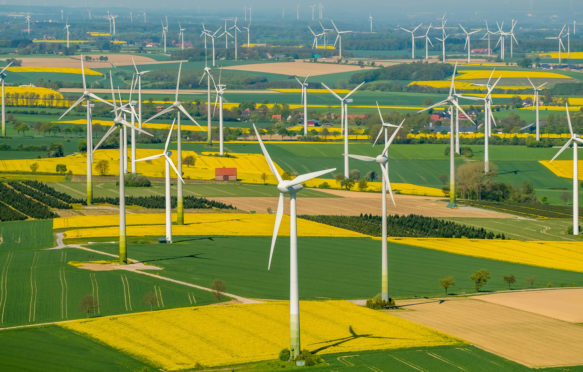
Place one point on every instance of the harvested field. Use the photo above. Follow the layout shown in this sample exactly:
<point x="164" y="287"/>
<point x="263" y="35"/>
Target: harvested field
<point x="297" y="68"/>
<point x="355" y="203"/>
<point x="530" y="339"/>
<point x="562" y="304"/>
<point x="74" y="62"/>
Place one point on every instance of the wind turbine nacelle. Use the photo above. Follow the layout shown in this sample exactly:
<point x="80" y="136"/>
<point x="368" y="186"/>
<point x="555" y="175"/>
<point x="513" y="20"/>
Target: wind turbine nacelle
<point x="169" y="153"/>
<point x="382" y="159"/>
<point x="286" y="187"/>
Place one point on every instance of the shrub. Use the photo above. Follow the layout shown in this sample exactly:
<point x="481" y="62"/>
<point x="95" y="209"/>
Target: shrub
<point x="324" y="185"/>
<point x="362" y="185"/>
<point x="378" y="303"/>
<point x="284" y="355"/>
<point x="309" y="358"/>
<point x="136" y="180"/>
<point x="61" y="168"/>
<point x="446" y="283"/>
<point x="218" y="288"/>
<point x="480" y="278"/>
<point x="102" y="167"/>
<point x="510" y="279"/>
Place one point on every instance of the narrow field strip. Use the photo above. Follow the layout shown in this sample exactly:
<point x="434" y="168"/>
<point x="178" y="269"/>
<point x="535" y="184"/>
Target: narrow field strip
<point x="4" y="284"/>
<point x="561" y="255"/>
<point x="180" y="338"/>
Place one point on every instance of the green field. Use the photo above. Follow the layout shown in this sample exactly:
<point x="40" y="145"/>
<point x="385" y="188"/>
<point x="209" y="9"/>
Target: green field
<point x="329" y="267"/>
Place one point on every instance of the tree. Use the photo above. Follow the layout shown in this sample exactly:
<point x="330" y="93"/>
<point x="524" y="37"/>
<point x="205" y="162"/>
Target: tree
<point x="189" y="160"/>
<point x="339" y="178"/>
<point x="371" y="176"/>
<point x="347" y="183"/>
<point x="325" y="133"/>
<point x="264" y="177"/>
<point x="22" y="128"/>
<point x="362" y="185"/>
<point x="480" y="278"/>
<point x="355" y="174"/>
<point x="510" y="279"/>
<point x="530" y="280"/>
<point x="34" y="167"/>
<point x="102" y="167"/>
<point x="447" y="282"/>
<point x="566" y="197"/>
<point x="218" y="288"/>
<point x="150" y="299"/>
<point x="61" y="168"/>
<point x="88" y="305"/>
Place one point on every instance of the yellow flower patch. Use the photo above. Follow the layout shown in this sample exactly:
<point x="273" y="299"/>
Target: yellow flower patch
<point x="564" y="168"/>
<point x="58" y="70"/>
<point x="233" y="334"/>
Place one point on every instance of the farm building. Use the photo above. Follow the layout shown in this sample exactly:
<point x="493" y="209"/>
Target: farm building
<point x="226" y="174"/>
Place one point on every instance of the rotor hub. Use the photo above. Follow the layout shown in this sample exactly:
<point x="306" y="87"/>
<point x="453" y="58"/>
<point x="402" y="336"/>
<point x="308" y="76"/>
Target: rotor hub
<point x="382" y="159"/>
<point x="287" y="188"/>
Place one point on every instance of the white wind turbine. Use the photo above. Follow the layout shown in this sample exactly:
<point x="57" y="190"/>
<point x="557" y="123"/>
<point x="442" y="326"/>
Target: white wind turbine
<point x="248" y="28"/>
<point x="28" y="24"/>
<point x="339" y="38"/>
<point x="220" y="91"/>
<point x="205" y="33"/>
<point x="344" y="101"/>
<point x="119" y="123"/>
<point x="383" y="161"/>
<point x="443" y="38"/>
<point x="452" y="102"/>
<point x="67" y="31"/>
<point x="412" y="32"/>
<point x="512" y="38"/>
<point x="316" y="36"/>
<point x="304" y="85"/>
<point x="181" y="36"/>
<point x="227" y="34"/>
<point x="86" y="97"/>
<point x="213" y="36"/>
<point x="130" y="108"/>
<point x="575" y="139"/>
<point x="236" y="30"/>
<point x="290" y="187"/>
<point x="468" y="42"/>
<point x="139" y="75"/>
<point x="113" y="24"/>
<point x="384" y="127"/>
<point x="536" y="90"/>
<point x="164" y="34"/>
<point x="325" y="34"/>
<point x="559" y="38"/>
<point x="207" y="72"/>
<point x="427" y="41"/>
<point x="166" y="154"/>
<point x="177" y="108"/>
<point x="487" y="37"/>
<point x="2" y="78"/>
<point x="488" y="117"/>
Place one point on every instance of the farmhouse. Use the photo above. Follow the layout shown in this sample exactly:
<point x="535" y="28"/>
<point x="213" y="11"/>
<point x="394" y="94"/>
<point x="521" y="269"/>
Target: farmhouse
<point x="226" y="174"/>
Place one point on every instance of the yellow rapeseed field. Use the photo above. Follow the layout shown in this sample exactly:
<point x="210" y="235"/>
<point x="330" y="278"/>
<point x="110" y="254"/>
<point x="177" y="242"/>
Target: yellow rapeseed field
<point x="576" y="101"/>
<point x="555" y="55"/>
<point x="34" y="96"/>
<point x="94" y="33"/>
<point x="481" y="135"/>
<point x="58" y="70"/>
<point x="207" y="224"/>
<point x="553" y="108"/>
<point x="507" y="74"/>
<point x="561" y="255"/>
<point x="232" y="334"/>
<point x="108" y="123"/>
<point x="61" y="41"/>
<point x="299" y="90"/>
<point x="564" y="168"/>
<point x="461" y="85"/>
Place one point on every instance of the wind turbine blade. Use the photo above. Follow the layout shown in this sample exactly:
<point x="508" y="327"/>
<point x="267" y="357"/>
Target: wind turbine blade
<point x="178" y="81"/>
<point x="165" y="111"/>
<point x="183" y="110"/>
<point x="278" y="217"/>
<point x="361" y="157"/>
<point x="308" y="176"/>
<point x="298" y="80"/>
<point x="107" y="134"/>
<point x="83" y="74"/>
<point x="490" y="78"/>
<point x="380" y="114"/>
<point x="445" y="102"/>
<point x="94" y="96"/>
<point x="463" y="112"/>
<point x="385" y="171"/>
<point x="266" y="155"/>
<point x="178" y="175"/>
<point x="77" y="102"/>
<point x="169" y="136"/>
<point x="392" y="138"/>
<point x="6" y="67"/>
<point x="135" y="67"/>
<point x="378" y="136"/>
<point x="493" y="118"/>
<point x="331" y="91"/>
<point x="452" y="86"/>
<point x="565" y="146"/>
<point x="495" y="83"/>
<point x="140" y="130"/>
<point x="569" y="119"/>
<point x="153" y="157"/>
<point x="354" y="90"/>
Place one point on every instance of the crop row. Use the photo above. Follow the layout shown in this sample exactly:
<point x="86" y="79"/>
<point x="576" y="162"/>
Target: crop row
<point x="411" y="226"/>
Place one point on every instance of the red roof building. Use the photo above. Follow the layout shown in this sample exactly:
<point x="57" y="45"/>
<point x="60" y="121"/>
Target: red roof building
<point x="226" y="174"/>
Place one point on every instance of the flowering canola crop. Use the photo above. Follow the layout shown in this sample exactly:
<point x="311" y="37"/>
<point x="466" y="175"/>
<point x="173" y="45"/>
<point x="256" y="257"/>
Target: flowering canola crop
<point x="564" y="168"/>
<point x="58" y="70"/>
<point x="562" y="255"/>
<point x="233" y="334"/>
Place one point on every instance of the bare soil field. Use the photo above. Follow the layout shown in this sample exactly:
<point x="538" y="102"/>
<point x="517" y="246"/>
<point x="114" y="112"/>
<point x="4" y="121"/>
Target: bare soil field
<point x="297" y="68"/>
<point x="530" y="339"/>
<point x="74" y="62"/>
<point x="563" y="304"/>
<point x="355" y="203"/>
<point x="116" y="266"/>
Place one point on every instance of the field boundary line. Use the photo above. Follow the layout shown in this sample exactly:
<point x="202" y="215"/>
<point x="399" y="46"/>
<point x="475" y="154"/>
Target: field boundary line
<point x="33" y="290"/>
<point x="4" y="283"/>
<point x="125" y="296"/>
<point x="409" y="364"/>
<point x="446" y="361"/>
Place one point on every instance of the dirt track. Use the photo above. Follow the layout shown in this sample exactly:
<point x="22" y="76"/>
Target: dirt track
<point x="74" y="62"/>
<point x="524" y="337"/>
<point x="355" y="203"/>
<point x="297" y="68"/>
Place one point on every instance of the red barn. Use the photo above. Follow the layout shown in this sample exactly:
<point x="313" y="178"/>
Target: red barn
<point x="226" y="174"/>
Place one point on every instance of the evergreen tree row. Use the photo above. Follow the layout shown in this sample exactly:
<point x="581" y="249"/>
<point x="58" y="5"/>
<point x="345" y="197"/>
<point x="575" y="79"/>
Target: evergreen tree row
<point x="24" y="204"/>
<point x="406" y="226"/>
<point x="49" y="200"/>
<point x="159" y="202"/>
<point x="43" y="187"/>
<point x="9" y="214"/>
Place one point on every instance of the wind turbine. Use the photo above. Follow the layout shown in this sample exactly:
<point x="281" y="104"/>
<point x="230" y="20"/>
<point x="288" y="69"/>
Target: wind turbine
<point x="206" y="33"/>
<point x="28" y="24"/>
<point x="383" y="161"/>
<point x="451" y="101"/>
<point x="139" y="75"/>
<point x="444" y="37"/>
<point x="181" y="36"/>
<point x="384" y="127"/>
<point x="236" y="30"/>
<point x="220" y="90"/>
<point x="67" y="31"/>
<point x="512" y="38"/>
<point x="339" y="38"/>
<point x="164" y="33"/>
<point x="427" y="41"/>
<point x="248" y="28"/>
<point x="370" y="22"/>
<point x="227" y="34"/>
<point x="575" y="139"/>
<point x="316" y="36"/>
<point x="178" y="109"/>
<point x="3" y="78"/>
<point x="559" y="38"/>
<point x="487" y="37"/>
<point x="537" y="89"/>
<point x="168" y="164"/>
<point x="113" y="24"/>
<point x="119" y="123"/>
<point x="488" y="117"/>
<point x="87" y="96"/>
<point x="130" y="108"/>
<point x="344" y="101"/>
<point x="412" y="32"/>
<point x="207" y="72"/>
<point x="468" y="42"/>
<point x="325" y="34"/>
<point x="304" y="85"/>
<point x="290" y="187"/>
<point x="213" y="36"/>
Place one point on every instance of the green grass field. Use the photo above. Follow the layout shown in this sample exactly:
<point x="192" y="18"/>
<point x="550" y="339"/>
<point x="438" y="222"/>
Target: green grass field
<point x="329" y="267"/>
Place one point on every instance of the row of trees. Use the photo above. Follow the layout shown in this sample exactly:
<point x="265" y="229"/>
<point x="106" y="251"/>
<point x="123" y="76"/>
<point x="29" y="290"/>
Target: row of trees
<point x="411" y="226"/>
<point x="48" y="190"/>
<point x="40" y="196"/>
<point x="480" y="278"/>
<point x="24" y="204"/>
<point x="159" y="202"/>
